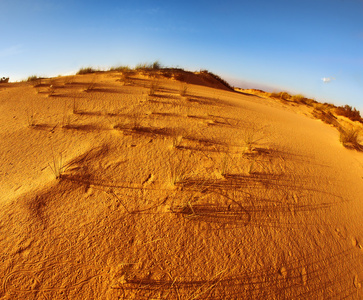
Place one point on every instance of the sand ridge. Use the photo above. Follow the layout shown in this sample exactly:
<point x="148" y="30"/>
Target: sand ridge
<point x="167" y="192"/>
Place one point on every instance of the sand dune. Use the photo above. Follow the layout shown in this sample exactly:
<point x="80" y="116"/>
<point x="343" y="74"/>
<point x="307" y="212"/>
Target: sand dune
<point x="140" y="187"/>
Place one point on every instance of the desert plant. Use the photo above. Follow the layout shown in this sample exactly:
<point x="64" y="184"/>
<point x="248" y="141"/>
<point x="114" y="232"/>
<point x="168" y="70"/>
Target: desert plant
<point x="156" y="65"/>
<point x="91" y="85"/>
<point x="281" y="95"/>
<point x="120" y="69"/>
<point x="87" y="70"/>
<point x="298" y="99"/>
<point x="180" y="168"/>
<point x="4" y="80"/>
<point x="155" y="85"/>
<point x="57" y="166"/>
<point x="75" y="109"/>
<point x="183" y="90"/>
<point x="51" y="90"/>
<point x="69" y="80"/>
<point x="252" y="136"/>
<point x="350" y="139"/>
<point x="326" y="116"/>
<point x="31" y="118"/>
<point x="66" y="121"/>
<point x="32" y="78"/>
<point x="225" y="165"/>
<point x="349" y="112"/>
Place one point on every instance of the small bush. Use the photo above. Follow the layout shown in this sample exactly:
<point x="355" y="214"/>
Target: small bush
<point x="31" y="118"/>
<point x="326" y="116"/>
<point x="57" y="166"/>
<point x="33" y="78"/>
<point x="84" y="71"/>
<point x="156" y="65"/>
<point x="251" y="137"/>
<point x="155" y="85"/>
<point x="183" y="90"/>
<point x="349" y="112"/>
<point x="281" y="95"/>
<point x="120" y="69"/>
<point x="350" y="139"/>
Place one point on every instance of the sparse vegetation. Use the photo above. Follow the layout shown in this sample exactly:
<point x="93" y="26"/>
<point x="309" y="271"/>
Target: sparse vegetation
<point x="251" y="136"/>
<point x="87" y="70"/>
<point x="120" y="69"/>
<point x="68" y="80"/>
<point x="91" y="85"/>
<point x="180" y="168"/>
<point x="33" y="78"/>
<point x="155" y="85"/>
<point x="300" y="99"/>
<point x="225" y="165"/>
<point x="51" y="89"/>
<point x="326" y="116"/>
<point x="349" y="112"/>
<point x="75" y="109"/>
<point x="31" y="118"/>
<point x="350" y="139"/>
<point x="57" y="166"/>
<point x="156" y="65"/>
<point x="183" y="89"/>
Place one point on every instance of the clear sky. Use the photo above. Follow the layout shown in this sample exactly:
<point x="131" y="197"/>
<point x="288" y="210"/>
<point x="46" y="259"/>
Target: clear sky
<point x="310" y="47"/>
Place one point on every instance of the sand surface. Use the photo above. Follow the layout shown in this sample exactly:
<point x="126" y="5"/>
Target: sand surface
<point x="210" y="194"/>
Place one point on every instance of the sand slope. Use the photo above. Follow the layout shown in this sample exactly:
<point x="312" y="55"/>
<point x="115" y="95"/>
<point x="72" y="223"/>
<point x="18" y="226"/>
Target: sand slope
<point x="209" y="195"/>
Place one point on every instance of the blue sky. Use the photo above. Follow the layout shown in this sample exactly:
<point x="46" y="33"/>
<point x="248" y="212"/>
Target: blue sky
<point x="282" y="44"/>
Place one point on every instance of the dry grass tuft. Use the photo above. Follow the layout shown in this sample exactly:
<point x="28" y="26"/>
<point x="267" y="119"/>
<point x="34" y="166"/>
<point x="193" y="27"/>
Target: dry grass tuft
<point x="350" y="139"/>
<point x="91" y="85"/>
<point x="87" y="70"/>
<point x="326" y="116"/>
<point x="57" y="166"/>
<point x="31" y="118"/>
<point x="349" y="112"/>
<point x="155" y="85"/>
<point x="252" y="136"/>
<point x="183" y="89"/>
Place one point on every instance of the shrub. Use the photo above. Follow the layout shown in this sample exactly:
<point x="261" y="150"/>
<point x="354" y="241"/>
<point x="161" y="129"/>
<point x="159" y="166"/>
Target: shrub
<point x="120" y="69"/>
<point x="281" y="95"/>
<point x="33" y="78"/>
<point x="349" y="112"/>
<point x="298" y="99"/>
<point x="155" y="85"/>
<point x="88" y="70"/>
<point x="156" y="65"/>
<point x="183" y="90"/>
<point x="350" y="139"/>
<point x="326" y="116"/>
